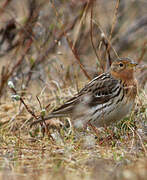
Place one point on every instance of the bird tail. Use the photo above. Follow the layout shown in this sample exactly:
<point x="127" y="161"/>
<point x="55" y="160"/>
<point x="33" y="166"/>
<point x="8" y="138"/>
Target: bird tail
<point x="63" y="111"/>
<point x="50" y="116"/>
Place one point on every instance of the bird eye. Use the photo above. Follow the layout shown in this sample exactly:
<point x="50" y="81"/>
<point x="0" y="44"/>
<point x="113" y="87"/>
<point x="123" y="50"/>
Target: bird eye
<point x="121" y="64"/>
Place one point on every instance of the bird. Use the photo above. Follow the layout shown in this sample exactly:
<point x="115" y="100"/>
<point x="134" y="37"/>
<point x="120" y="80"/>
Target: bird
<point x="106" y="99"/>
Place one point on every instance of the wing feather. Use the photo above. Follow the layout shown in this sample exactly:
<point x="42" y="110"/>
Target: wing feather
<point x="99" y="90"/>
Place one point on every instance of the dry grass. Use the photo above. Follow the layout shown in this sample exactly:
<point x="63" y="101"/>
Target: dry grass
<point x="56" y="40"/>
<point x="119" y="152"/>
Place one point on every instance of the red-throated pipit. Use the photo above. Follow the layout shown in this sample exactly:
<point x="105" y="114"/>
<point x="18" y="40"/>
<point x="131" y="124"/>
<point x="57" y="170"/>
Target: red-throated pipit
<point x="106" y="99"/>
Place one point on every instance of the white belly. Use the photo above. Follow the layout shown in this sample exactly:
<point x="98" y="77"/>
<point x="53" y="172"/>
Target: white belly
<point x="111" y="114"/>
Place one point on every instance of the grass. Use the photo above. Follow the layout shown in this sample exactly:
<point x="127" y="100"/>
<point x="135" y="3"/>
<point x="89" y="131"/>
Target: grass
<point x="51" y="49"/>
<point x="119" y="152"/>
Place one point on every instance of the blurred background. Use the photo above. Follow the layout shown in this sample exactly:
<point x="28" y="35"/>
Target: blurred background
<point x="48" y="51"/>
<point x="68" y="41"/>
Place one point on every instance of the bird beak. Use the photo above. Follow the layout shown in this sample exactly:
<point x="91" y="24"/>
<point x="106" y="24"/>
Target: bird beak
<point x="133" y="64"/>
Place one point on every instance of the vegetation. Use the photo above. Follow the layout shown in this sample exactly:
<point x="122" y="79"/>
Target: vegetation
<point x="48" y="51"/>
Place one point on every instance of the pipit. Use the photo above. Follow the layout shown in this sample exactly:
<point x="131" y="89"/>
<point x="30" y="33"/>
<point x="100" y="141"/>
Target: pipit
<point x="106" y="99"/>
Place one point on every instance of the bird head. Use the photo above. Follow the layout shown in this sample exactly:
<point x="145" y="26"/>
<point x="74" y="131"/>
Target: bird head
<point x="123" y="69"/>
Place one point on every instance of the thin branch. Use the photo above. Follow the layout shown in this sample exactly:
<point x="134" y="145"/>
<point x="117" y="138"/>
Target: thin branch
<point x="6" y="74"/>
<point x="77" y="58"/>
<point x="144" y="148"/>
<point x="23" y="102"/>
<point x="91" y="38"/>
<point x="107" y="45"/>
<point x="102" y="32"/>
<point x="51" y="48"/>
<point x="114" y="19"/>
<point x="71" y="44"/>
<point x="108" y="60"/>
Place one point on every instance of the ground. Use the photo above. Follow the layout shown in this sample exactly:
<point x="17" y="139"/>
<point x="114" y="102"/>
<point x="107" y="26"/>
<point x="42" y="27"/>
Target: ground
<point x="48" y="51"/>
<point x="119" y="152"/>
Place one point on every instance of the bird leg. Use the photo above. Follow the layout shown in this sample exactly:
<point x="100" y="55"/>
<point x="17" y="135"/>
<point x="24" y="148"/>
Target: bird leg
<point x="94" y="129"/>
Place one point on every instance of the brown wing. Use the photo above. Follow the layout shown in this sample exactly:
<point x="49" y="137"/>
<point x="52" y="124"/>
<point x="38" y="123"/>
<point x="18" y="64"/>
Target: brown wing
<point x="97" y="91"/>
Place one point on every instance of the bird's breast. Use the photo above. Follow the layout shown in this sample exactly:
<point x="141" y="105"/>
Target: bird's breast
<point x="112" y="111"/>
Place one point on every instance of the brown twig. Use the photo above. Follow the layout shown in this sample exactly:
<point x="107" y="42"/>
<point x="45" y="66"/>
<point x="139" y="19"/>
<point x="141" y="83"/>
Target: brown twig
<point x="107" y="45"/>
<point x="114" y="19"/>
<point x="39" y="102"/>
<point x="26" y="39"/>
<point x="74" y="51"/>
<point x="108" y="59"/>
<point x="91" y="38"/>
<point x="23" y="102"/>
<point x="43" y="124"/>
<point x="77" y="58"/>
<point x="106" y="38"/>
<point x="6" y="74"/>
<point x="52" y="46"/>
<point x="22" y="31"/>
